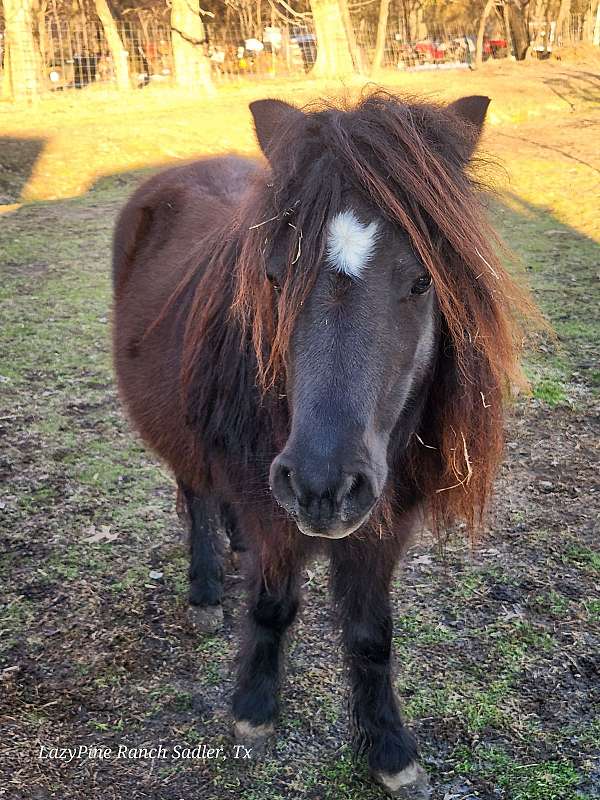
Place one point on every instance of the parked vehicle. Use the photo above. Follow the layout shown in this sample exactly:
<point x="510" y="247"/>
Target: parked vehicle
<point x="430" y="51"/>
<point x="496" y="48"/>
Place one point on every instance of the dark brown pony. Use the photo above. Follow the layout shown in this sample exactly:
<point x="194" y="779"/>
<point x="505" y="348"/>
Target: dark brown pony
<point x="320" y="349"/>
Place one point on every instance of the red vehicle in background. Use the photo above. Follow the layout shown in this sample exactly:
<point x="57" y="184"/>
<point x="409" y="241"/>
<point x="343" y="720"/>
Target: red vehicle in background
<point x="496" y="48"/>
<point x="429" y="51"/>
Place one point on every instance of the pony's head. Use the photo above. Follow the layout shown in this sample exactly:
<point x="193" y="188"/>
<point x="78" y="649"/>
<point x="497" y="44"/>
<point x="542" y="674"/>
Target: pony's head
<point x="369" y="282"/>
<point x="360" y="356"/>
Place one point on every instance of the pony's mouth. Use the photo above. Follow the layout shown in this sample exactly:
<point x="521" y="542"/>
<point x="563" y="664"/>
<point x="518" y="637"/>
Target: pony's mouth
<point x="327" y="512"/>
<point x="337" y="530"/>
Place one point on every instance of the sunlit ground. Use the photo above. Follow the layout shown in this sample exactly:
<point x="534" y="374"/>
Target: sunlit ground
<point x="92" y="133"/>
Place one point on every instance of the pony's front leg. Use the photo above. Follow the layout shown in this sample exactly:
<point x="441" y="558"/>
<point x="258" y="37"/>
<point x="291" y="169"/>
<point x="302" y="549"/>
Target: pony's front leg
<point x="273" y="603"/>
<point x="361" y="571"/>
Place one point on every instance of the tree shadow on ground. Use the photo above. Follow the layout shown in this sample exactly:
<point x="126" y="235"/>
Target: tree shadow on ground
<point x="575" y="85"/>
<point x="18" y="158"/>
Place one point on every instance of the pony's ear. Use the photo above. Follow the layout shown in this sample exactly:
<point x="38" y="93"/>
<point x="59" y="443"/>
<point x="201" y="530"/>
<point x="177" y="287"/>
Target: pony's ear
<point x="472" y="109"/>
<point x="269" y="116"/>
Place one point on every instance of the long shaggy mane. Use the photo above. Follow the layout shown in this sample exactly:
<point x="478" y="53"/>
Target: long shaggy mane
<point x="411" y="161"/>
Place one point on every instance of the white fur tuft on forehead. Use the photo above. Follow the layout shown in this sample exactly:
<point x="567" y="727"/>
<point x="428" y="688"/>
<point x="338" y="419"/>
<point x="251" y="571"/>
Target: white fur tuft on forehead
<point x="350" y="243"/>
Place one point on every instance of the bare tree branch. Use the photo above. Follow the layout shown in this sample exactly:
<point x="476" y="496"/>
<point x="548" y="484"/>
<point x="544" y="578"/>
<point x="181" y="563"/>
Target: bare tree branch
<point x="189" y="39"/>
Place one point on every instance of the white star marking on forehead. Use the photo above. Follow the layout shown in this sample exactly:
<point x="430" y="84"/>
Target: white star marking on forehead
<point x="350" y="243"/>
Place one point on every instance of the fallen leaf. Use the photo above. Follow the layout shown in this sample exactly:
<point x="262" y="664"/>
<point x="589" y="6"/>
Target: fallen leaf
<point x="103" y="535"/>
<point x="423" y="560"/>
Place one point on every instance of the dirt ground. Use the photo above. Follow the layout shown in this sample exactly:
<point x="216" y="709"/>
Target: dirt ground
<point x="497" y="645"/>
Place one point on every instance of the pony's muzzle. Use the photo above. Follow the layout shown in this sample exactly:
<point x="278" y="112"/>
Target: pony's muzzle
<point x="323" y="499"/>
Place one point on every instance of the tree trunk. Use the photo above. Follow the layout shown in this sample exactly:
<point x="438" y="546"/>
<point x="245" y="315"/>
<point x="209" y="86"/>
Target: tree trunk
<point x="6" y="82"/>
<point x="333" y="49"/>
<point x="596" y="38"/>
<point x="507" y="28"/>
<point x="518" y="28"/>
<point x="144" y="25"/>
<point x="382" y="23"/>
<point x="563" y="13"/>
<point x="406" y="23"/>
<point x="21" y="60"/>
<point x="39" y="8"/>
<point x="190" y="63"/>
<point x="355" y="52"/>
<point x="115" y="44"/>
<point x="481" y="31"/>
<point x="408" y="29"/>
<point x="589" y="24"/>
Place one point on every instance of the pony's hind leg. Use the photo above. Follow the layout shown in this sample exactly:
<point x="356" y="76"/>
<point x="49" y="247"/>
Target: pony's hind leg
<point x="206" y="562"/>
<point x="361" y="571"/>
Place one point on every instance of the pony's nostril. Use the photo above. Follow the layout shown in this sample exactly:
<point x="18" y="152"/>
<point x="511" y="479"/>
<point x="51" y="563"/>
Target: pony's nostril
<point x="360" y="494"/>
<point x="285" y="479"/>
<point x="357" y="481"/>
<point x="281" y="485"/>
<point x="321" y="492"/>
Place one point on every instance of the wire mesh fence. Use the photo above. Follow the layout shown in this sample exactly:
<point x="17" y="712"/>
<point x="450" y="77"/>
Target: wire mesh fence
<point x="76" y="55"/>
<point x="66" y="54"/>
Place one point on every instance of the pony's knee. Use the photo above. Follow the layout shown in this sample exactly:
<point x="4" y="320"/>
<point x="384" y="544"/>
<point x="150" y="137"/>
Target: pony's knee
<point x="275" y="612"/>
<point x="369" y="643"/>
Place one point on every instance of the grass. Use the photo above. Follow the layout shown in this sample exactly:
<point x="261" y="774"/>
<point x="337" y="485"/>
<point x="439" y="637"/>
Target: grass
<point x="489" y="647"/>
<point x="548" y="780"/>
<point x="584" y="556"/>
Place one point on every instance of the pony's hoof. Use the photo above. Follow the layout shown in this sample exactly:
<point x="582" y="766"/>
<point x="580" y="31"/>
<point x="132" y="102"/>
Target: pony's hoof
<point x="255" y="736"/>
<point x="411" y="783"/>
<point x="206" y="619"/>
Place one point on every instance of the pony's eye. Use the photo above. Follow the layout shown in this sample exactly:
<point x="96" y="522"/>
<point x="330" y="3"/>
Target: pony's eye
<point x="421" y="286"/>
